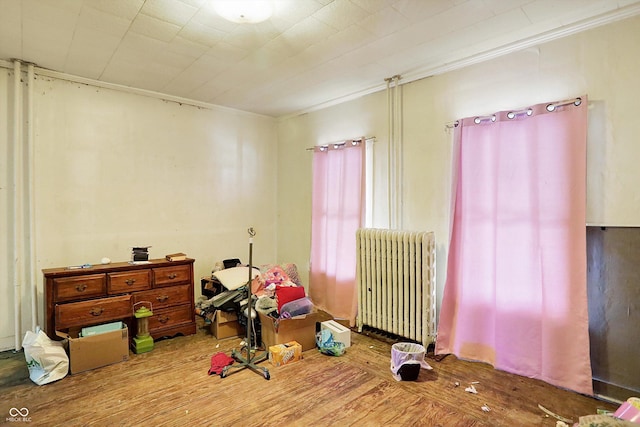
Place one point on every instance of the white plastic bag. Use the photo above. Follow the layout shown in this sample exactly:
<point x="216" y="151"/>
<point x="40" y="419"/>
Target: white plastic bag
<point x="46" y="359"/>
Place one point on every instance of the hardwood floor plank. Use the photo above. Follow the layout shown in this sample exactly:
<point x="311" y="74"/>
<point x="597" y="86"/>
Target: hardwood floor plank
<point x="169" y="386"/>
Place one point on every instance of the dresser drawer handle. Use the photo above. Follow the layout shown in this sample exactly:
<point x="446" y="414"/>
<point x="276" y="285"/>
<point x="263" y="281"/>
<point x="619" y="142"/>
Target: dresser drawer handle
<point x="130" y="281"/>
<point x="172" y="276"/>
<point x="162" y="298"/>
<point x="163" y="319"/>
<point x="81" y="288"/>
<point x="96" y="311"/>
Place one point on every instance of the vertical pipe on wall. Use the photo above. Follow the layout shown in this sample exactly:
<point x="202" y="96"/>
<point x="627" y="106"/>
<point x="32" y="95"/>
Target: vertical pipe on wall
<point x="394" y="154"/>
<point x="32" y="274"/>
<point x="397" y="123"/>
<point x="392" y="157"/>
<point x="15" y="259"/>
<point x="389" y="151"/>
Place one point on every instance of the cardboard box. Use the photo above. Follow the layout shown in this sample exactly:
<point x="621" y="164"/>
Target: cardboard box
<point x="100" y="329"/>
<point x="300" y="328"/>
<point x="339" y="332"/>
<point x="281" y="354"/>
<point x="98" y="350"/>
<point x="225" y="325"/>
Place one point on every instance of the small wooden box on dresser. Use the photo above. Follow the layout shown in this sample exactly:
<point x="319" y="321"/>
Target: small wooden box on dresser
<point x="81" y="297"/>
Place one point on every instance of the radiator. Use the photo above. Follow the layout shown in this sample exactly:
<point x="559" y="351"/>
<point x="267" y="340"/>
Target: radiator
<point x="396" y="277"/>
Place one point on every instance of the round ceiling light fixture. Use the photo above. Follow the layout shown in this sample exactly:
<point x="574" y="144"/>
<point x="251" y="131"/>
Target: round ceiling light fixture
<point x="244" y="11"/>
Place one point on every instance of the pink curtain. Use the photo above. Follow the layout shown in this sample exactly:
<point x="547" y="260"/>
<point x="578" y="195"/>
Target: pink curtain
<point x="337" y="213"/>
<point x="515" y="294"/>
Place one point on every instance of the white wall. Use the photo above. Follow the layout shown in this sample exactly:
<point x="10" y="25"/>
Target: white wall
<point x="600" y="63"/>
<point x="6" y="288"/>
<point x="115" y="170"/>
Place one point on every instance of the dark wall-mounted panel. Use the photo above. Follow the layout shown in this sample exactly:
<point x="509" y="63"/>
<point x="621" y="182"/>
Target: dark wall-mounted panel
<point x="613" y="277"/>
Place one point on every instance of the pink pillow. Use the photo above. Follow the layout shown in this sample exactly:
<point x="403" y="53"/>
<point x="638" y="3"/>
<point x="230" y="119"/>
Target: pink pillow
<point x="290" y="269"/>
<point x="275" y="275"/>
<point x="285" y="294"/>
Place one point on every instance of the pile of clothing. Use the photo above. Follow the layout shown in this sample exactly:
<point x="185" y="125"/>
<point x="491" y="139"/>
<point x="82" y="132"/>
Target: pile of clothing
<point x="276" y="288"/>
<point x="205" y="309"/>
<point x="279" y="292"/>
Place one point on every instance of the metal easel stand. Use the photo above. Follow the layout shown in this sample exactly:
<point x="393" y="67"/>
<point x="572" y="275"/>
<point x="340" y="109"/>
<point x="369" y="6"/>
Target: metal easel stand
<point x="247" y="361"/>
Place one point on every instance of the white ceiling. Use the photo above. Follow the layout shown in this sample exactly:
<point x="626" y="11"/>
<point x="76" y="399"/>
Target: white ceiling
<point x="311" y="53"/>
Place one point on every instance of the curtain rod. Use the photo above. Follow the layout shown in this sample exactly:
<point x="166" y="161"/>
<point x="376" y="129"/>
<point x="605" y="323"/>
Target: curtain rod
<point x="574" y="101"/>
<point x="512" y="114"/>
<point x="338" y="143"/>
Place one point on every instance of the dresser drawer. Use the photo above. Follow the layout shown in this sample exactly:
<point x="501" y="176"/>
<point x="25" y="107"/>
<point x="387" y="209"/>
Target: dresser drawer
<point x="79" y="287"/>
<point x="130" y="281"/>
<point x="167" y="317"/>
<point x="169" y="276"/>
<point x="93" y="312"/>
<point x="165" y="297"/>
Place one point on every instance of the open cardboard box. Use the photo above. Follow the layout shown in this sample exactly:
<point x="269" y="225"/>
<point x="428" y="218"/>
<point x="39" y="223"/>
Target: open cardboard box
<point x="339" y="332"/>
<point x="95" y="351"/>
<point x="225" y="325"/>
<point x="301" y="329"/>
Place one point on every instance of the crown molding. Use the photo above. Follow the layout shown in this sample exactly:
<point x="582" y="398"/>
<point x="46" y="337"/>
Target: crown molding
<point x="444" y="67"/>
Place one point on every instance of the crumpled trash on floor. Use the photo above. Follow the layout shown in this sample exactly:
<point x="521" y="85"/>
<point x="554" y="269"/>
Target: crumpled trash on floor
<point x="471" y="389"/>
<point x="603" y="421"/>
<point x="627" y="415"/>
<point x="554" y="415"/>
<point x="629" y="410"/>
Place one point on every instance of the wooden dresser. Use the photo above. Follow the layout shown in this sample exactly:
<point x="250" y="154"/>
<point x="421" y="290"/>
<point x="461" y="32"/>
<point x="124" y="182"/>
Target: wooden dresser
<point x="76" y="298"/>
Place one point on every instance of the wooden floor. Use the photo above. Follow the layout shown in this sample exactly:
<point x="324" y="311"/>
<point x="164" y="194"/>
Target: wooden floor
<point x="170" y="386"/>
